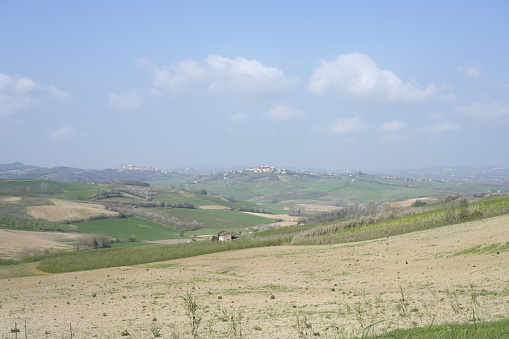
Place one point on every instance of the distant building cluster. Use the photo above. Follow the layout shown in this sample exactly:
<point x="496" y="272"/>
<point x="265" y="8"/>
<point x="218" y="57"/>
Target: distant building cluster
<point x="123" y="168"/>
<point x="262" y="169"/>
<point x="266" y="169"/>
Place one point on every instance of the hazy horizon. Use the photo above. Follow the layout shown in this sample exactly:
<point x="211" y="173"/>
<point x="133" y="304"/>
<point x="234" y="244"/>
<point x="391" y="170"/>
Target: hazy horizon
<point x="326" y="85"/>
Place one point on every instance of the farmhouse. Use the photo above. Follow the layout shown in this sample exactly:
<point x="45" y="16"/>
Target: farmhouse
<point x="226" y="236"/>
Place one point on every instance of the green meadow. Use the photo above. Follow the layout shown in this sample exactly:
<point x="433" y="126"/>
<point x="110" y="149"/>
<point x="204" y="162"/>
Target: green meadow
<point x="61" y="190"/>
<point x="125" y="227"/>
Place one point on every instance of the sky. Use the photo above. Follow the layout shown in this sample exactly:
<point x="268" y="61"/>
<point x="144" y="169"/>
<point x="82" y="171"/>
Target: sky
<point x="364" y="85"/>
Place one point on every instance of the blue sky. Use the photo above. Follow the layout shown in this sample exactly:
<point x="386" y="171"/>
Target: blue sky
<point x="323" y="84"/>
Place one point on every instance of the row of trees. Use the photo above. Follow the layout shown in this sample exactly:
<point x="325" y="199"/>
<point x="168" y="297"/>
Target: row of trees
<point x="355" y="211"/>
<point x="149" y="204"/>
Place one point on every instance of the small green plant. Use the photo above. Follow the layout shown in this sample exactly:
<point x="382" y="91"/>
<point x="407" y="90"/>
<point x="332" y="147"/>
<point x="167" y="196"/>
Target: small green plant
<point x="234" y="320"/>
<point x="192" y="309"/>
<point x="125" y="333"/>
<point x="302" y="325"/>
<point x="155" y="331"/>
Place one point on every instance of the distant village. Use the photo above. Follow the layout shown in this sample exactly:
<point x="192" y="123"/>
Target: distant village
<point x="123" y="168"/>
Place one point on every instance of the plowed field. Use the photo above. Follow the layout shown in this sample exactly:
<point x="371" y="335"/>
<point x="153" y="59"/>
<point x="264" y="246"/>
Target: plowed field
<point x="447" y="274"/>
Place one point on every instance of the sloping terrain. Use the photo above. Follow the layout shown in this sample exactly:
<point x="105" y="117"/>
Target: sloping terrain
<point x="62" y="210"/>
<point x="451" y="273"/>
<point x="14" y="243"/>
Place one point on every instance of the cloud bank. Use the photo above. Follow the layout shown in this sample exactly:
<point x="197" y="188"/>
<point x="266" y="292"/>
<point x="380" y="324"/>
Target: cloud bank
<point x="284" y="113"/>
<point x="236" y="77"/>
<point x="129" y="101"/>
<point x="19" y="93"/>
<point x="342" y="126"/>
<point x="358" y="76"/>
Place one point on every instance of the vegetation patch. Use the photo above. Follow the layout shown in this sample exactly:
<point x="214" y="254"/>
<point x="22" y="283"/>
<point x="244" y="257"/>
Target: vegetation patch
<point x="64" y="190"/>
<point x="480" y="249"/>
<point x="115" y="257"/>
<point x="494" y="329"/>
<point x="124" y="228"/>
<point x="370" y="227"/>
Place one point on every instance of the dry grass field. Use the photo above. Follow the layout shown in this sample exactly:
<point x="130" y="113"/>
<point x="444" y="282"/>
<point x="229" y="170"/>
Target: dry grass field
<point x="409" y="202"/>
<point x="215" y="207"/>
<point x="68" y="210"/>
<point x="280" y="292"/>
<point x="9" y="199"/>
<point x="14" y="243"/>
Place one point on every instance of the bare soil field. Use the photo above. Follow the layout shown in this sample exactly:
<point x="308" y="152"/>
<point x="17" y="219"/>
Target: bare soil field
<point x="282" y="292"/>
<point x="214" y="207"/>
<point x="409" y="202"/>
<point x="288" y="220"/>
<point x="15" y="242"/>
<point x="68" y="210"/>
<point x="9" y="199"/>
<point x="313" y="207"/>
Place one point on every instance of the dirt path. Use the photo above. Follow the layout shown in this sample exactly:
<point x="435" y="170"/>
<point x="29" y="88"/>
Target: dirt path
<point x="392" y="282"/>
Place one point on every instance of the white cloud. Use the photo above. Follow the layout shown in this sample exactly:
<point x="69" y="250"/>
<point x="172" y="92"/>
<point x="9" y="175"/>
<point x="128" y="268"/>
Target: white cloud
<point x="10" y="104"/>
<point x="393" y="126"/>
<point x="341" y="126"/>
<point x="238" y="77"/>
<point x="63" y="132"/>
<point x="19" y="93"/>
<point x="284" y="113"/>
<point x="177" y="77"/>
<point x="489" y="111"/>
<point x="58" y="94"/>
<point x="357" y="75"/>
<point x="239" y="117"/>
<point x="470" y="72"/>
<point x="443" y="127"/>
<point x="391" y="137"/>
<point x="129" y="101"/>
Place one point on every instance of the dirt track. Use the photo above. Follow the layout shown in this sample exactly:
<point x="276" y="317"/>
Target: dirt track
<point x="346" y="285"/>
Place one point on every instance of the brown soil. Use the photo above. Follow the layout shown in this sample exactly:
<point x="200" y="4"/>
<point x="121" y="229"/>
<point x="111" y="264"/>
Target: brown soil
<point x="9" y="199"/>
<point x="68" y="210"/>
<point x="214" y="207"/>
<point x="409" y="202"/>
<point x="14" y="243"/>
<point x="399" y="281"/>
<point x="288" y="220"/>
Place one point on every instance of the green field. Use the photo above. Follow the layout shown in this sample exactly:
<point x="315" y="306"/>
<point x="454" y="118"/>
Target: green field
<point x="213" y="223"/>
<point x="493" y="329"/>
<point x="274" y="192"/>
<point x="213" y="218"/>
<point x="62" y="190"/>
<point x="123" y="228"/>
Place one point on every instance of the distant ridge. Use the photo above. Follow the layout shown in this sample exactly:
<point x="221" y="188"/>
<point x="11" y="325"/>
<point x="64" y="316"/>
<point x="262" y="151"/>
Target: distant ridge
<point x="17" y="170"/>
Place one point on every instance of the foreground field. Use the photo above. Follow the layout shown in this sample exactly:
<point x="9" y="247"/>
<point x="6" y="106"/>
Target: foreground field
<point x="448" y="274"/>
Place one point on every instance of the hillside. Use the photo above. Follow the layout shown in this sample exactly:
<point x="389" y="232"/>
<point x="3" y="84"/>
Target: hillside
<point x="448" y="274"/>
<point x="281" y="192"/>
<point x="125" y="210"/>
